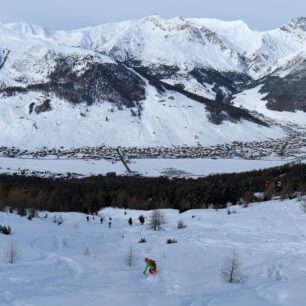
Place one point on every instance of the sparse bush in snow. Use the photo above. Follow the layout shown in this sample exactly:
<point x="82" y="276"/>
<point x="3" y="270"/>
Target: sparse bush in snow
<point x="181" y="224"/>
<point x="303" y="204"/>
<point x="274" y="271"/>
<point x="12" y="253"/>
<point x="58" y="219"/>
<point x="32" y="214"/>
<point x="21" y="211"/>
<point x="142" y="240"/>
<point x="170" y="241"/>
<point x="141" y="219"/>
<point x="231" y="271"/>
<point x="5" y="230"/>
<point x="87" y="252"/>
<point x="130" y="256"/>
<point x="130" y="221"/>
<point x="156" y="220"/>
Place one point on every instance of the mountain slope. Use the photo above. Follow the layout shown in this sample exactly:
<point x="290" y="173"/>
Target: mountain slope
<point x="285" y="85"/>
<point x="145" y="82"/>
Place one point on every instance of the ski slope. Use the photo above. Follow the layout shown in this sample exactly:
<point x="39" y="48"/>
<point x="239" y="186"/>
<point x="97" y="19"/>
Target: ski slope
<point x="82" y="263"/>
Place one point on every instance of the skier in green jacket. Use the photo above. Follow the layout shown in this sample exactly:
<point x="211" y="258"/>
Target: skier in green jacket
<point x="151" y="265"/>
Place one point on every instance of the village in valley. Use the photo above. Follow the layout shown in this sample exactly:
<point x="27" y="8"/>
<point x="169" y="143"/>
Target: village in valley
<point x="292" y="146"/>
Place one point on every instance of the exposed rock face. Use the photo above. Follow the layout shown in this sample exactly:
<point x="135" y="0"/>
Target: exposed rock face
<point x="3" y="57"/>
<point x="295" y="24"/>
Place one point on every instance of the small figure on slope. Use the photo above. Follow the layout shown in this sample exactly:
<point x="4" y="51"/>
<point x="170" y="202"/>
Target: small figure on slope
<point x="151" y="265"/>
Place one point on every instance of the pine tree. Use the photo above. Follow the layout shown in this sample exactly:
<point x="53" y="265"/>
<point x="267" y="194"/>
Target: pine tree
<point x="156" y="220"/>
<point x="141" y="219"/>
<point x="130" y="221"/>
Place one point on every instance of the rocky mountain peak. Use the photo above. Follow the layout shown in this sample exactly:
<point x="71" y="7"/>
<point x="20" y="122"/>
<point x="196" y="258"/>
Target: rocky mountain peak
<point x="295" y="24"/>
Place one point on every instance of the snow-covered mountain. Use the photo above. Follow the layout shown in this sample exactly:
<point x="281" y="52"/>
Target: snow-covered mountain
<point x="145" y="82"/>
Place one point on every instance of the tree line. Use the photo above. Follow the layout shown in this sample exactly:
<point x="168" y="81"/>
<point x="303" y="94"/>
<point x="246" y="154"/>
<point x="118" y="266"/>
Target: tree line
<point x="90" y="194"/>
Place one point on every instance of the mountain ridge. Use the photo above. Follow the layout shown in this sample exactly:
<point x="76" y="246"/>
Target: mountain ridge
<point x="138" y="70"/>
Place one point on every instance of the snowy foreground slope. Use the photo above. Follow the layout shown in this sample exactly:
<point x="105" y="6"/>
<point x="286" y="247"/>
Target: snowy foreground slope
<point x="82" y="263"/>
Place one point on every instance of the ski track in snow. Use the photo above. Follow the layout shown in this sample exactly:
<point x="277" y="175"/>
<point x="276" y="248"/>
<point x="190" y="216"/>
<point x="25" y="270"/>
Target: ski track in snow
<point x="56" y="269"/>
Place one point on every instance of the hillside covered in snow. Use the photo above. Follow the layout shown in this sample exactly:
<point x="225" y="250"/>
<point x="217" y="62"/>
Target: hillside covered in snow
<point x="82" y="262"/>
<point x="149" y="82"/>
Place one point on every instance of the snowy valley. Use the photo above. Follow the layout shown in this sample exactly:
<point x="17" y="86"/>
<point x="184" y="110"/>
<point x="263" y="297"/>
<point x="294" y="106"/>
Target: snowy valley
<point x="151" y="83"/>
<point x="179" y="140"/>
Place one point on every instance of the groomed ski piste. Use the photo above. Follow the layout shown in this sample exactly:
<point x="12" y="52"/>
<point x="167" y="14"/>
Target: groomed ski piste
<point x="83" y="263"/>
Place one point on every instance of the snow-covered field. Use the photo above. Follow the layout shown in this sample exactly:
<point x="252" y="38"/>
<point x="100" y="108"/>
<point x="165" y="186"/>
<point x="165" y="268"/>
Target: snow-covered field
<point x="147" y="167"/>
<point x="82" y="263"/>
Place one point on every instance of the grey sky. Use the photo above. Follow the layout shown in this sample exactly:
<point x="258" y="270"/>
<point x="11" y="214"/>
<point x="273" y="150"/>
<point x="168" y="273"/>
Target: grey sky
<point x="71" y="14"/>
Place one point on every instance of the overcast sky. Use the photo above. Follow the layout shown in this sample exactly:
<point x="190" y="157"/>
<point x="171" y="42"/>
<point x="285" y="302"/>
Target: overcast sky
<point x="72" y="14"/>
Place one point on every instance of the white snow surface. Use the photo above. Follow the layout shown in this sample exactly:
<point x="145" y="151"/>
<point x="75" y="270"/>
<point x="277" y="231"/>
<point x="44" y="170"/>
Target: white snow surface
<point x="172" y="122"/>
<point x="187" y="42"/>
<point x="184" y="42"/>
<point x="146" y="167"/>
<point x="82" y="263"/>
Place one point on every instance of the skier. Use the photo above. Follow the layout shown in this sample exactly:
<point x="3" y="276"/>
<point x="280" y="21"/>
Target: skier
<point x="151" y="265"/>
